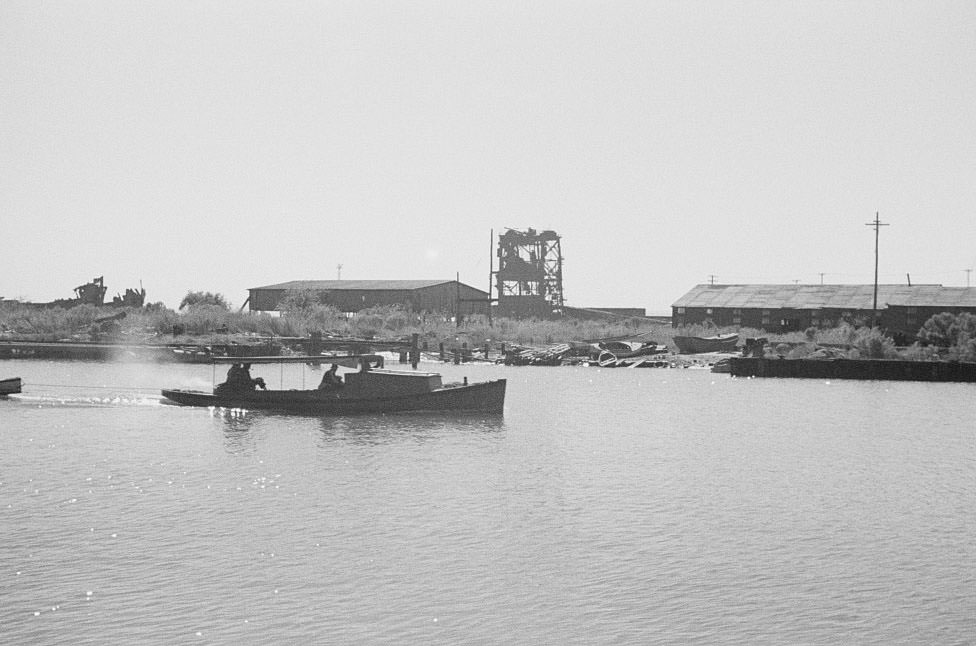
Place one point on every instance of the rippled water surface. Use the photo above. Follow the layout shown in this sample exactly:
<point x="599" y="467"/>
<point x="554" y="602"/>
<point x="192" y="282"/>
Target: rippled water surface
<point x="605" y="507"/>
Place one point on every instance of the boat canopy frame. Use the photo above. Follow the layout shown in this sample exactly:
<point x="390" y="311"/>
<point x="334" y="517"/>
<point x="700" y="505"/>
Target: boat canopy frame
<point x="363" y="362"/>
<point x="347" y="360"/>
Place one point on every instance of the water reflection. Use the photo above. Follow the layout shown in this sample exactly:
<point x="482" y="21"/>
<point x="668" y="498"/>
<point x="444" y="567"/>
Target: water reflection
<point x="237" y="426"/>
<point x="241" y="428"/>
<point x="416" y="427"/>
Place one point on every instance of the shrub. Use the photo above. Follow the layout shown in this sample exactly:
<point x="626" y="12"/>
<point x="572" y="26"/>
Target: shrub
<point x="204" y="319"/>
<point x="871" y="343"/>
<point x="194" y="299"/>
<point x="366" y="324"/>
<point x="918" y="352"/>
<point x="946" y="330"/>
<point x="299" y="302"/>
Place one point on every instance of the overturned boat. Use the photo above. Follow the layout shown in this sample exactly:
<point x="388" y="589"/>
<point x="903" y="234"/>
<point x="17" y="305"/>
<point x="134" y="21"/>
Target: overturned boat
<point x="368" y="390"/>
<point x="627" y="349"/>
<point x="702" y="344"/>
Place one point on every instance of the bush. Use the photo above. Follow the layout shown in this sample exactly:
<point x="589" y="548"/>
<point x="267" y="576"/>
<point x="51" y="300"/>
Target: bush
<point x="918" y="352"/>
<point x="194" y="299"/>
<point x="871" y="343"/>
<point x="204" y="319"/>
<point x="946" y="330"/>
<point x="299" y="302"/>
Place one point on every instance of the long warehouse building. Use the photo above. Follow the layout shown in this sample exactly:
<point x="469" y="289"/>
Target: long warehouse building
<point x="444" y="296"/>
<point x="902" y="309"/>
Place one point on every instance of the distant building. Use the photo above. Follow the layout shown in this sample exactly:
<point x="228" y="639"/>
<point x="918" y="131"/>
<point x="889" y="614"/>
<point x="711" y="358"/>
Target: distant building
<point x="444" y="296"/>
<point x="902" y="309"/>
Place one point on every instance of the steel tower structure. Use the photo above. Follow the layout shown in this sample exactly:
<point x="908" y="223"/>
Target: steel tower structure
<point x="529" y="280"/>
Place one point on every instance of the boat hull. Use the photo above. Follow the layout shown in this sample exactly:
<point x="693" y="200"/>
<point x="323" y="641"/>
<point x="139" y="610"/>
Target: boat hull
<point x="486" y="397"/>
<point x="700" y="345"/>
<point x="10" y="386"/>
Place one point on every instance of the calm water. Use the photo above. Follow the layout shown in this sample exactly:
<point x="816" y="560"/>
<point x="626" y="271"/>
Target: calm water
<point x="606" y="507"/>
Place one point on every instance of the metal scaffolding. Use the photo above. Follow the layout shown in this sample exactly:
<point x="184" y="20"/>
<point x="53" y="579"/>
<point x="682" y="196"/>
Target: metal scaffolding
<point x="529" y="280"/>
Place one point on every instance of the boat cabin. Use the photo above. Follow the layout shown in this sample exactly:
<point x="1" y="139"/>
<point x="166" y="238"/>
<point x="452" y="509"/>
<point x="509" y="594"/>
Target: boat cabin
<point x="389" y="383"/>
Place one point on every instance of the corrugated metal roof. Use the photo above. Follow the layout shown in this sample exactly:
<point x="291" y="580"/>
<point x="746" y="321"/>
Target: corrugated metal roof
<point x="338" y="285"/>
<point x="936" y="296"/>
<point x="815" y="297"/>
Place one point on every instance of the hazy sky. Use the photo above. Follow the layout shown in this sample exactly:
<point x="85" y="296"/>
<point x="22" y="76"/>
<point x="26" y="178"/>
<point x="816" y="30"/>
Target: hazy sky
<point x="218" y="146"/>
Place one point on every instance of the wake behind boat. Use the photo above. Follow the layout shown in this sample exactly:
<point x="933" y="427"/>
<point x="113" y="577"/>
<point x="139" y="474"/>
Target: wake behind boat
<point x="368" y="390"/>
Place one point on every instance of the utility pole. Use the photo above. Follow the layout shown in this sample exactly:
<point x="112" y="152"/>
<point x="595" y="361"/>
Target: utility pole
<point x="491" y="276"/>
<point x="711" y="279"/>
<point x="877" y="224"/>
<point x="821" y="277"/>
<point x="968" y="271"/>
<point x="339" y="271"/>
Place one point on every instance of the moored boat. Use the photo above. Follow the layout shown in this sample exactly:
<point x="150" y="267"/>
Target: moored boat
<point x="368" y="390"/>
<point x="627" y="349"/>
<point x="722" y="366"/>
<point x="10" y="386"/>
<point x="702" y="344"/>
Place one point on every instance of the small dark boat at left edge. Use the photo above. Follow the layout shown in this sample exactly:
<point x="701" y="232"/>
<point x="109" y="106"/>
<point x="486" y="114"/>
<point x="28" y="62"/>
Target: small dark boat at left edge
<point x="10" y="386"/>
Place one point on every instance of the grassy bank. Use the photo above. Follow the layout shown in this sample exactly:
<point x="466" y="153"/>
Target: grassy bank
<point x="208" y="324"/>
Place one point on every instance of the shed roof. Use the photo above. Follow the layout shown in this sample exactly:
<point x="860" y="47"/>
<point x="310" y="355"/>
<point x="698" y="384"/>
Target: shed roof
<point x="340" y="285"/>
<point x="816" y="297"/>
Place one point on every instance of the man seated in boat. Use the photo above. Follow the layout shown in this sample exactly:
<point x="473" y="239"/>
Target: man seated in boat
<point x="250" y="384"/>
<point x="239" y="379"/>
<point x="331" y="380"/>
<point x="235" y="375"/>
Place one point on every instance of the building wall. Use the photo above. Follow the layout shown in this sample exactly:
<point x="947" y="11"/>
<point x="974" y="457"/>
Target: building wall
<point x="771" y="320"/>
<point x="903" y="321"/>
<point x="908" y="320"/>
<point x="265" y="300"/>
<point x="785" y="308"/>
<point x="437" y="298"/>
<point x="521" y="307"/>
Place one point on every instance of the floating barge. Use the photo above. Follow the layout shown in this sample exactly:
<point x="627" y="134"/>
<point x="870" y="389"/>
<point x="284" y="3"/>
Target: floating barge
<point x="871" y="369"/>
